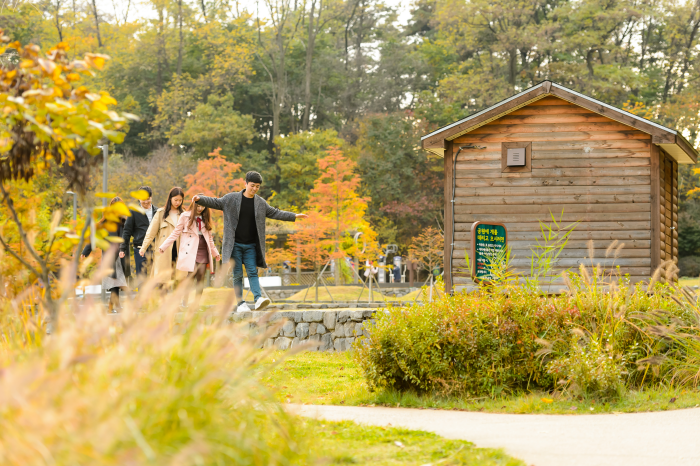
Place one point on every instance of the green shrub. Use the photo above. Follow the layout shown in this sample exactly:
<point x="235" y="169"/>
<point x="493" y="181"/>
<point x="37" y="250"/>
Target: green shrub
<point x="591" y="369"/>
<point x="506" y="340"/>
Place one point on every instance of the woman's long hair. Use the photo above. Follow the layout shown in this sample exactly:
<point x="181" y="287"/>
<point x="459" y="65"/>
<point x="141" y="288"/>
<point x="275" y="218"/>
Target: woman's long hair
<point x="176" y="191"/>
<point x="112" y="202"/>
<point x="206" y="216"/>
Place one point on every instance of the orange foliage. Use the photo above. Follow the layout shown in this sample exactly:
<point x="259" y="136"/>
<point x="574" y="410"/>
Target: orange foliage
<point x="335" y="197"/>
<point x="215" y="176"/>
<point x="311" y="238"/>
<point x="428" y="248"/>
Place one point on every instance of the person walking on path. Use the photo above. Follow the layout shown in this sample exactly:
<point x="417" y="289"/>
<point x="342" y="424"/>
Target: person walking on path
<point x="163" y="224"/>
<point x="197" y="250"/>
<point x="136" y="227"/>
<point x="244" y="234"/>
<point x="117" y="280"/>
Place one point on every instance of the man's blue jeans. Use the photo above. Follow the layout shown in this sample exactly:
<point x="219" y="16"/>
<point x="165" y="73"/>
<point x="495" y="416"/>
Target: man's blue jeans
<point x="245" y="254"/>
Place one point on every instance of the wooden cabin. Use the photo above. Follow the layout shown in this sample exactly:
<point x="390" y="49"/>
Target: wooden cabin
<point x="585" y="161"/>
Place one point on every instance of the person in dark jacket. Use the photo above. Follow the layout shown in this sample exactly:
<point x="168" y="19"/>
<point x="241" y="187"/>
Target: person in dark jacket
<point x="117" y="281"/>
<point x="136" y="227"/>
<point x="244" y="234"/>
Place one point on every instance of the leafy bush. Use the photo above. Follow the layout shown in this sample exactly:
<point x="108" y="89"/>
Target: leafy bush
<point x="158" y="387"/>
<point x="488" y="342"/>
<point x="591" y="369"/>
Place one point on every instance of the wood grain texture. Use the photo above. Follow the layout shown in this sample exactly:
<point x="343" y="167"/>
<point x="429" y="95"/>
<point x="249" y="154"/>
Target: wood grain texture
<point x="553" y="209"/>
<point x="497" y="128"/>
<point x="655" y="210"/>
<point x="591" y="154"/>
<point x="566" y="217"/>
<point x="583" y="226"/>
<point x="563" y="199"/>
<point x="557" y="136"/>
<point x="557" y="181"/>
<point x="590" y="163"/>
<point x="551" y="190"/>
<point x="449" y="178"/>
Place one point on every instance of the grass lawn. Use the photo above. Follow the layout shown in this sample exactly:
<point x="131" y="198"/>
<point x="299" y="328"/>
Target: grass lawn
<point x="335" y="379"/>
<point x="689" y="281"/>
<point x="350" y="443"/>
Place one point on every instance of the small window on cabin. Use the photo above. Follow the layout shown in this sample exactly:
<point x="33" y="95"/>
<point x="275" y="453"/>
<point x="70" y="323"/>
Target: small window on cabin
<point x="516" y="157"/>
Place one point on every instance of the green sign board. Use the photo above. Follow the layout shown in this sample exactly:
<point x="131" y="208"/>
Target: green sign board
<point x="488" y="241"/>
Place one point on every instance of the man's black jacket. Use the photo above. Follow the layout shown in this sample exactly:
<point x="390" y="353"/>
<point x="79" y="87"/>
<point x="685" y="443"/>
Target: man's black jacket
<point x="135" y="227"/>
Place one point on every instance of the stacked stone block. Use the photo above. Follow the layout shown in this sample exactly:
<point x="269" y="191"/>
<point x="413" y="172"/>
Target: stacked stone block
<point x="333" y="330"/>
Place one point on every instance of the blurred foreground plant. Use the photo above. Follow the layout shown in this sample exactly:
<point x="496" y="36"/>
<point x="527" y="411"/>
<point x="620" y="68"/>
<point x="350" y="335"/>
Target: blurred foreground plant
<point x="51" y="121"/>
<point x="159" y="387"/>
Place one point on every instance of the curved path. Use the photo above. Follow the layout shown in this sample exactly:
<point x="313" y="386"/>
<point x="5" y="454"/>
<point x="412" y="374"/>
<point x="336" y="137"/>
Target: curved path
<point x="640" y="439"/>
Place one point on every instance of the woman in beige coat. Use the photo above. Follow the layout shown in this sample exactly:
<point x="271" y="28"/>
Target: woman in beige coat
<point x="163" y="224"/>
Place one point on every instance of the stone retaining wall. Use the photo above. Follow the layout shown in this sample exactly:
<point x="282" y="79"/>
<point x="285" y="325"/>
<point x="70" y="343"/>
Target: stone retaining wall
<point x="279" y="295"/>
<point x="334" y="330"/>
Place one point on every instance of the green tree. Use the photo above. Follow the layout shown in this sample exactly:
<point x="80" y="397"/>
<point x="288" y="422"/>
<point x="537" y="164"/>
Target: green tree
<point x="298" y="162"/>
<point x="215" y="124"/>
<point x="405" y="186"/>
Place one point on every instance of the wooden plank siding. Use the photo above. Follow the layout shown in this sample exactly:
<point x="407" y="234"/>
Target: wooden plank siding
<point x="586" y="169"/>
<point x="668" y="211"/>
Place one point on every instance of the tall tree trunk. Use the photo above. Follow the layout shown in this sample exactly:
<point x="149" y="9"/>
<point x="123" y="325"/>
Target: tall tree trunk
<point x="179" y="50"/>
<point x="97" y="23"/>
<point x="311" y="41"/>
<point x="204" y="9"/>
<point x="57" y="18"/>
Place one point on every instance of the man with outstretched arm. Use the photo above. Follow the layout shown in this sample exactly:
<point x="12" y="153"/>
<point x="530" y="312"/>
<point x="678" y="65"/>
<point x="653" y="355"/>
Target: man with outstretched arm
<point x="244" y="234"/>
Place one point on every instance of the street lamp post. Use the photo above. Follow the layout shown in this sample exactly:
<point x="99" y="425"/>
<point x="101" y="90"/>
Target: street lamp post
<point x="75" y="206"/>
<point x="105" y="156"/>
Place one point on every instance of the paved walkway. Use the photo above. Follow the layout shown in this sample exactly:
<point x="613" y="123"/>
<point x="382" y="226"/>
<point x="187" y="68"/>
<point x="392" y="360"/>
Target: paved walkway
<point x="641" y="439"/>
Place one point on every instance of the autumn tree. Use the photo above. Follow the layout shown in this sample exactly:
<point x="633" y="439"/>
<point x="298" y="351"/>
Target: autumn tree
<point x="51" y="122"/>
<point x="298" y="163"/>
<point x="335" y="197"/>
<point x="428" y="249"/>
<point x="312" y="240"/>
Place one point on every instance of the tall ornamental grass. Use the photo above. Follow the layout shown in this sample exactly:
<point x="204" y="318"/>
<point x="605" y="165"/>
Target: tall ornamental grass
<point x="165" y="387"/>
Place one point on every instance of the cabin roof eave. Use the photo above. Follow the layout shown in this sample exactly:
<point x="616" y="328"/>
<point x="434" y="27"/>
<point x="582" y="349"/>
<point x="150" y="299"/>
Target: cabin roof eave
<point x="670" y="140"/>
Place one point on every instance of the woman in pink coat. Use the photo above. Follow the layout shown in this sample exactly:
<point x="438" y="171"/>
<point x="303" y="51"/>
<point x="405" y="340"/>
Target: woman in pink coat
<point x="197" y="250"/>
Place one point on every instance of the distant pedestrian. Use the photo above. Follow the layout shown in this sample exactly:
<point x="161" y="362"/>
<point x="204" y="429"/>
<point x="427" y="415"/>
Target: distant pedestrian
<point x="397" y="273"/>
<point x="136" y="227"/>
<point x="244" y="234"/>
<point x="115" y="282"/>
<point x="370" y="270"/>
<point x="197" y="250"/>
<point x="162" y="226"/>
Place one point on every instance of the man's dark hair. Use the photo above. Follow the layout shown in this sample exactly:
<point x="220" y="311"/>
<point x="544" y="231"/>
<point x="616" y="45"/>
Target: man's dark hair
<point x="253" y="177"/>
<point x="147" y="189"/>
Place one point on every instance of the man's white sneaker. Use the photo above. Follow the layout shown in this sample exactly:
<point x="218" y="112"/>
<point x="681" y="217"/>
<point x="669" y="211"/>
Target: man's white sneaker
<point x="243" y="307"/>
<point x="262" y="303"/>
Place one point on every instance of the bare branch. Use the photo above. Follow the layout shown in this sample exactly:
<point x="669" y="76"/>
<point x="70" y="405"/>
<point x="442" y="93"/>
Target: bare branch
<point x="29" y="266"/>
<point x="22" y="233"/>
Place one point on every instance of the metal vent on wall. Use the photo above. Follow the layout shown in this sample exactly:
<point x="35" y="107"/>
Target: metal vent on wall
<point x="516" y="157"/>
